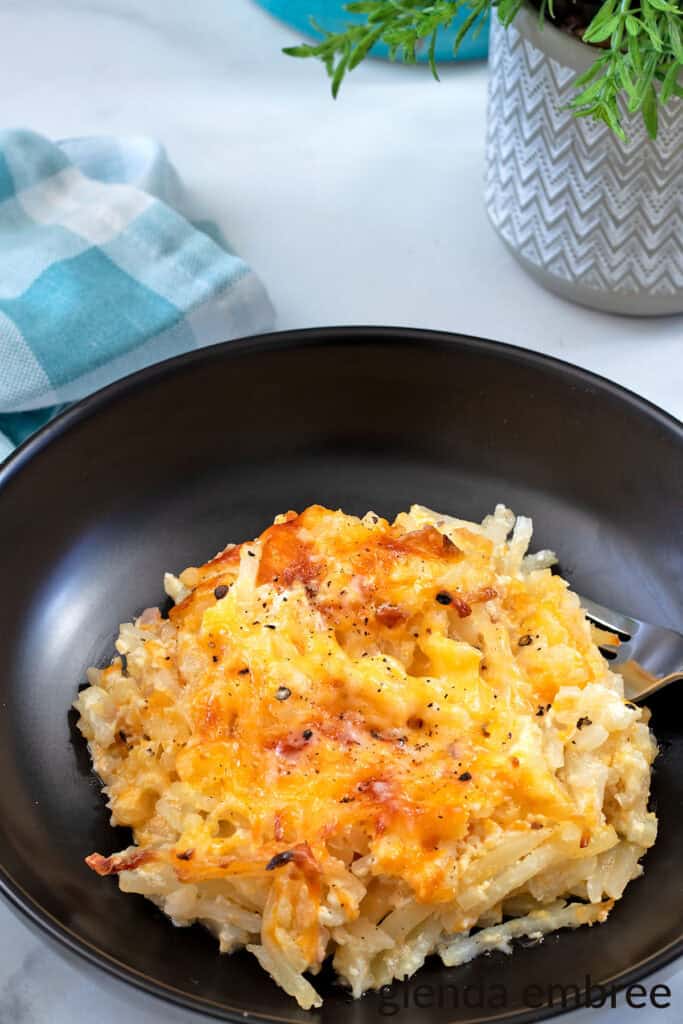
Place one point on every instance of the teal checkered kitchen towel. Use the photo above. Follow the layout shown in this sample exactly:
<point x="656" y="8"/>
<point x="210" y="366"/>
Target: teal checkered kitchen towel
<point x="100" y="276"/>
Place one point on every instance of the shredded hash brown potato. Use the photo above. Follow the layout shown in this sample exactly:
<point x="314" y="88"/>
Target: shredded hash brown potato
<point x="374" y="742"/>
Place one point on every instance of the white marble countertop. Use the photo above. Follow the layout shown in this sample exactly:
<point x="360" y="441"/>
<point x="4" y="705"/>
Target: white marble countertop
<point x="365" y="211"/>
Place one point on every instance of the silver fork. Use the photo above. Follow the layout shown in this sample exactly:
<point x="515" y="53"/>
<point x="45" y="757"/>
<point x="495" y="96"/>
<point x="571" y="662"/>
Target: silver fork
<point x="651" y="656"/>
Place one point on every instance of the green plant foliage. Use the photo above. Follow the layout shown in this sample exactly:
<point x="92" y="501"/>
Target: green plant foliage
<point x="638" y="46"/>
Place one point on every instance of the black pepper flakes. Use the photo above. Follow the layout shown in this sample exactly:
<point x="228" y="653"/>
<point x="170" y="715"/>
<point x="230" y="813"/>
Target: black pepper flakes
<point x="584" y="720"/>
<point x="280" y="859"/>
<point x="307" y="734"/>
<point x="243" y="672"/>
<point x="185" y="855"/>
<point x="525" y="640"/>
<point x="283" y="693"/>
<point x="220" y="592"/>
<point x="443" y="597"/>
<point x="465" y="776"/>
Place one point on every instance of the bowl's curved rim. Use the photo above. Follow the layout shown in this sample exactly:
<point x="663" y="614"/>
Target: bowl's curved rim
<point x="318" y="336"/>
<point x="17" y="896"/>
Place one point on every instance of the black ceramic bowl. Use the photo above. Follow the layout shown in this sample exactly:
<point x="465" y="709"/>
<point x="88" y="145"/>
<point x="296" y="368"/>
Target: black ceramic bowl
<point x="160" y="470"/>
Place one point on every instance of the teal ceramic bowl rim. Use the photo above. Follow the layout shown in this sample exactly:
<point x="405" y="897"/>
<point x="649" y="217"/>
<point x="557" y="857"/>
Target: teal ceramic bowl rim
<point x="330" y="14"/>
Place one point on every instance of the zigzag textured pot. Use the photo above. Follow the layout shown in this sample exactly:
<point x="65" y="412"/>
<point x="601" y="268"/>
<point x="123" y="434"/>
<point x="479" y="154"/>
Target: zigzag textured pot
<point x="596" y="220"/>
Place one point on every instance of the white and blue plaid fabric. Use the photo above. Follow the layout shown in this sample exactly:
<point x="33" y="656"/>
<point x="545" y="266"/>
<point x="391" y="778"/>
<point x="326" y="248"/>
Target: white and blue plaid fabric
<point x="100" y="275"/>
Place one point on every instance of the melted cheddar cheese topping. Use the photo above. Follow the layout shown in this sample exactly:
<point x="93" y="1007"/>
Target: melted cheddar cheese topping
<point x="345" y="684"/>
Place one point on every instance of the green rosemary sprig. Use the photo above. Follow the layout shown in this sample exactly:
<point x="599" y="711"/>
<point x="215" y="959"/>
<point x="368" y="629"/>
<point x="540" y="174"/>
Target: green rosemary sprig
<point x="640" y="67"/>
<point x="637" y="68"/>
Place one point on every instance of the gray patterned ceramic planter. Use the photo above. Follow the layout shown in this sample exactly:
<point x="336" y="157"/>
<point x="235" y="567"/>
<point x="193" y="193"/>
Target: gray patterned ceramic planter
<point x="594" y="219"/>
